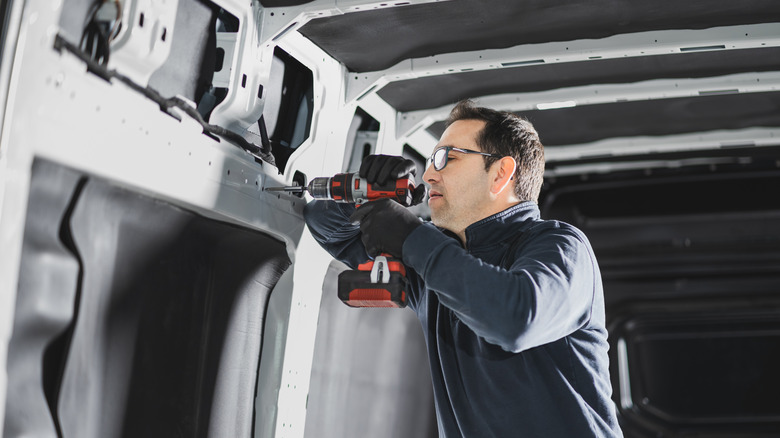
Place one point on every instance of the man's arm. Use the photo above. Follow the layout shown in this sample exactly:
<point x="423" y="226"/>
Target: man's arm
<point x="330" y="225"/>
<point x="546" y="294"/>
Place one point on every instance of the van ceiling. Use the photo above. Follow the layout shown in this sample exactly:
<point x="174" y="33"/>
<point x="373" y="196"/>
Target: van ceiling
<point x="567" y="126"/>
<point x="721" y="84"/>
<point x="377" y="39"/>
<point x="435" y="91"/>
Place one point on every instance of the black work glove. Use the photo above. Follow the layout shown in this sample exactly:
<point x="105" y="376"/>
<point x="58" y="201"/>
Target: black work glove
<point x="380" y="169"/>
<point x="385" y="225"/>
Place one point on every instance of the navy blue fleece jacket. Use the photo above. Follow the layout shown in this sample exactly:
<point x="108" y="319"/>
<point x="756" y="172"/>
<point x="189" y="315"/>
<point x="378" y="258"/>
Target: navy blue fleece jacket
<point x="514" y="322"/>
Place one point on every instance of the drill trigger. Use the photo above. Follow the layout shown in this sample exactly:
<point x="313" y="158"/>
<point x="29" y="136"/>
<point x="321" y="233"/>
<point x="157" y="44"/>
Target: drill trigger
<point x="380" y="266"/>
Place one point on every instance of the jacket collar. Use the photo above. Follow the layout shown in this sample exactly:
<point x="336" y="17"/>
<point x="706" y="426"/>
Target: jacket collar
<point x="502" y="225"/>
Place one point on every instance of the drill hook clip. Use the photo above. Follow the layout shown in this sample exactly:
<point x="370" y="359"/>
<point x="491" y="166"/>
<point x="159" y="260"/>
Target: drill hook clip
<point x="380" y="272"/>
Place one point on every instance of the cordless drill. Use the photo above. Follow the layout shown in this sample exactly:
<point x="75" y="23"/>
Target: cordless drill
<point x="380" y="282"/>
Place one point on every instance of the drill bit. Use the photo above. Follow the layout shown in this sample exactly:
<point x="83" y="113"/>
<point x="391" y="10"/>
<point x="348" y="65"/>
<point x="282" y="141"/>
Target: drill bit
<point x="318" y="188"/>
<point x="288" y="189"/>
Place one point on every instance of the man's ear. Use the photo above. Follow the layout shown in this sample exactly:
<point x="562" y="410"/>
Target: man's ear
<point x="504" y="173"/>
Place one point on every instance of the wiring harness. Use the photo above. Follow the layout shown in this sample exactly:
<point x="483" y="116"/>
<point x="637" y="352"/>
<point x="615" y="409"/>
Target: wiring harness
<point x="104" y="23"/>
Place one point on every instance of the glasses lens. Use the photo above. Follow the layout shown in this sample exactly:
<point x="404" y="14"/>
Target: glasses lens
<point x="440" y="159"/>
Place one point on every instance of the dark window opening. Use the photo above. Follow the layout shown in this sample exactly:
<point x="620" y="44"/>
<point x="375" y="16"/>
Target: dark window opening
<point x="730" y="188"/>
<point x="700" y="369"/>
<point x="227" y="22"/>
<point x="288" y="107"/>
<point x="5" y="11"/>
<point x="362" y="135"/>
<point x="220" y="59"/>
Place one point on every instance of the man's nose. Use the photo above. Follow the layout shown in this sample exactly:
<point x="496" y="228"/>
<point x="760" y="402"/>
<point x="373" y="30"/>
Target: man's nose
<point x="430" y="173"/>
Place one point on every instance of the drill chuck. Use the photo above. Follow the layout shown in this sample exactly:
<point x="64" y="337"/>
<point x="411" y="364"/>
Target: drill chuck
<point x="319" y="188"/>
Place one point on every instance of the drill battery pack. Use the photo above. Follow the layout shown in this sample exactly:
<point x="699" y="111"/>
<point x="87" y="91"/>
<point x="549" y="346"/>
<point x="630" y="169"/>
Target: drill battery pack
<point x="377" y="283"/>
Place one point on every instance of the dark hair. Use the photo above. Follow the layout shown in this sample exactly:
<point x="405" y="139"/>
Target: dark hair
<point x="507" y="134"/>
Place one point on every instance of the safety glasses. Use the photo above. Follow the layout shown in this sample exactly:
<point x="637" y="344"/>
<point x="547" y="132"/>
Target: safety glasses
<point x="441" y="155"/>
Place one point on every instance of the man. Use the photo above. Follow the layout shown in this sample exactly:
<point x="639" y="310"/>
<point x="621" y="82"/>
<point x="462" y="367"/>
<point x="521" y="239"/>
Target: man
<point x="511" y="305"/>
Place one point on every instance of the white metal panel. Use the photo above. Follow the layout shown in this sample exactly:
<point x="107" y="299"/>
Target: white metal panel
<point x="278" y="23"/>
<point x="284" y="377"/>
<point x="604" y="93"/>
<point x="722" y="139"/>
<point x="57" y="110"/>
<point x="618" y="46"/>
<point x="144" y="41"/>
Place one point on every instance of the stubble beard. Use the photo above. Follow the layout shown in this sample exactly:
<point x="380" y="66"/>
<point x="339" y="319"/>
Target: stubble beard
<point x="442" y="217"/>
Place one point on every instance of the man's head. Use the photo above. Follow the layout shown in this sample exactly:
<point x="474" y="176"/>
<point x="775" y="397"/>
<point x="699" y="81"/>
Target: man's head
<point x="507" y="135"/>
<point x="494" y="160"/>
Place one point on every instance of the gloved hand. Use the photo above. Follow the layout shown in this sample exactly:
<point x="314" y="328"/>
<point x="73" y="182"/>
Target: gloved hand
<point x="379" y="169"/>
<point x="385" y="225"/>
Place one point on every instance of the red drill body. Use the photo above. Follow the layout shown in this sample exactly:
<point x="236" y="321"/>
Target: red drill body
<point x="350" y="187"/>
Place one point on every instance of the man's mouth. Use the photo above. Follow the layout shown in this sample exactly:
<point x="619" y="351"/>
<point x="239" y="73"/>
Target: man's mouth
<point x="434" y="194"/>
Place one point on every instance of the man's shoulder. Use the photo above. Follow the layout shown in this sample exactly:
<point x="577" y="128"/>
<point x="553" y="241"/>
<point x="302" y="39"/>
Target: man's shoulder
<point x="552" y="229"/>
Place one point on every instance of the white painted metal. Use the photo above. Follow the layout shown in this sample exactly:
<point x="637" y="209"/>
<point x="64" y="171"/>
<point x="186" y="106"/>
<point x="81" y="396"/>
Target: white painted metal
<point x="144" y="41"/>
<point x="12" y="189"/>
<point x="605" y="93"/>
<point x="278" y="23"/>
<point x="722" y="139"/>
<point x="227" y="42"/>
<point x="626" y="400"/>
<point x="412" y="124"/>
<point x="284" y="375"/>
<point x="55" y="109"/>
<point x="638" y="91"/>
<point x="321" y="155"/>
<point x="618" y="46"/>
<point x="8" y="52"/>
<point x="380" y="110"/>
<point x="247" y="69"/>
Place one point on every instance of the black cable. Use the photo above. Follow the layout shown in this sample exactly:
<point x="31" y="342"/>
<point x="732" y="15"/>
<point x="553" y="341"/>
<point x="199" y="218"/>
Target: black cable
<point x="264" y="133"/>
<point x="94" y="42"/>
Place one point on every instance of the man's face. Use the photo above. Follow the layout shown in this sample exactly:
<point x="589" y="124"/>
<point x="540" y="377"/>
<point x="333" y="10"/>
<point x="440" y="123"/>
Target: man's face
<point x="459" y="193"/>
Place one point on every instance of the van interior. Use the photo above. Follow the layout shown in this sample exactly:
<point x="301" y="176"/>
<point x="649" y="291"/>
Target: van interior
<point x="151" y="286"/>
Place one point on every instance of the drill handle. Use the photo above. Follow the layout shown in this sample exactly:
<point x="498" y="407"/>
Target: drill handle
<point x="401" y="190"/>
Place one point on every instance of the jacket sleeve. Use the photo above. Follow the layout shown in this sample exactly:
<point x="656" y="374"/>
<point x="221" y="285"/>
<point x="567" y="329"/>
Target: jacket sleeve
<point x="546" y="294"/>
<point x="329" y="223"/>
